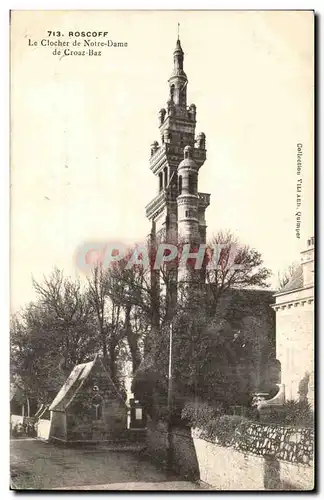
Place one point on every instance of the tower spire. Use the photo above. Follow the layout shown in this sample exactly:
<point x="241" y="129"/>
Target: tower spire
<point x="178" y="80"/>
<point x="178" y="31"/>
<point x="178" y="56"/>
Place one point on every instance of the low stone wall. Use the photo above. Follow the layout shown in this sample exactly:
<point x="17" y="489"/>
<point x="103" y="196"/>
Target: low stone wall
<point x="43" y="429"/>
<point x="283" y="443"/>
<point x="58" y="430"/>
<point x="225" y="468"/>
<point x="259" y="457"/>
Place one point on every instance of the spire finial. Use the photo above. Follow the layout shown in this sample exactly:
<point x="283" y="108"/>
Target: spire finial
<point x="178" y="31"/>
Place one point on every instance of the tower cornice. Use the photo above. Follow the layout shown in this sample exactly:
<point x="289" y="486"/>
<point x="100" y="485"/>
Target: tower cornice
<point x="181" y="115"/>
<point x="204" y="200"/>
<point x="170" y="154"/>
<point x="157" y="204"/>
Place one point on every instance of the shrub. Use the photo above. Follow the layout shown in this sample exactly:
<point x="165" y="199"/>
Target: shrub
<point x="301" y="414"/>
<point x="22" y="430"/>
<point x="222" y="429"/>
<point x="150" y="388"/>
<point x="292" y="413"/>
<point x="213" y="423"/>
<point x="200" y="414"/>
<point x="14" y="431"/>
<point x="17" y="431"/>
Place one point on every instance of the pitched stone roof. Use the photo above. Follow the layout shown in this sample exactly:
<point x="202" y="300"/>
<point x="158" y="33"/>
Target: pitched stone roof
<point x="72" y="386"/>
<point x="295" y="282"/>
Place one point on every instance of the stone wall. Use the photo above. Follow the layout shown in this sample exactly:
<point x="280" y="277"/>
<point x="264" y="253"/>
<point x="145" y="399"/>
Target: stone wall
<point x="225" y="468"/>
<point x="58" y="426"/>
<point x="260" y="457"/>
<point x="283" y="443"/>
<point x="43" y="429"/>
<point x="295" y="345"/>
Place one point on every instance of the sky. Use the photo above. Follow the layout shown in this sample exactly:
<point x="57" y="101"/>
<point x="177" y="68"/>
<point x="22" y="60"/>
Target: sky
<point x="81" y="129"/>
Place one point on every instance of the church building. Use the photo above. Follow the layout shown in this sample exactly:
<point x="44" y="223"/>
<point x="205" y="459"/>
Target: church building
<point x="294" y="307"/>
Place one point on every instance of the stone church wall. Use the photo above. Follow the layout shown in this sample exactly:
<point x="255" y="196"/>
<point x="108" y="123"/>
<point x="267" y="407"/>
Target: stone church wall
<point x="295" y="330"/>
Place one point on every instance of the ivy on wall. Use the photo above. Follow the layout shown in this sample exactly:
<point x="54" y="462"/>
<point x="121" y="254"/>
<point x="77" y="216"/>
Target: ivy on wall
<point x="288" y="443"/>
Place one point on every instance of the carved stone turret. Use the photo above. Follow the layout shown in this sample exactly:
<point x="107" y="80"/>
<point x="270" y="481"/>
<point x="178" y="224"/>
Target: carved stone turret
<point x="154" y="147"/>
<point x="201" y="141"/>
<point x="162" y="114"/>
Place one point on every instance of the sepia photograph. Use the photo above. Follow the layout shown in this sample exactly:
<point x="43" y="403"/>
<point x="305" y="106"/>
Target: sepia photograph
<point x="162" y="249"/>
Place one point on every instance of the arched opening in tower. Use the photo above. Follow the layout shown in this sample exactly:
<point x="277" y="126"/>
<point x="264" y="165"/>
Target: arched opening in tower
<point x="180" y="184"/>
<point x="165" y="177"/>
<point x="172" y="91"/>
<point x="191" y="184"/>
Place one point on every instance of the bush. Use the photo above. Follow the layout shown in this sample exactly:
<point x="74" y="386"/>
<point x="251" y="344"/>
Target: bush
<point x="222" y="429"/>
<point x="150" y="388"/>
<point x="15" y="431"/>
<point x="200" y="414"/>
<point x="299" y="413"/>
<point x="22" y="430"/>
<point x="213" y="423"/>
<point x="292" y="413"/>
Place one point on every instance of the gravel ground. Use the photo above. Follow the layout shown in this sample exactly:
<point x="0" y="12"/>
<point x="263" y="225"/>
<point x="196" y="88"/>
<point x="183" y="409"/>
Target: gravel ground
<point x="39" y="465"/>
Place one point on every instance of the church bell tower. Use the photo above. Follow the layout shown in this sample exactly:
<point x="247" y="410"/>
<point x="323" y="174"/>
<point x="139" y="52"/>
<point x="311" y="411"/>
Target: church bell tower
<point x="177" y="213"/>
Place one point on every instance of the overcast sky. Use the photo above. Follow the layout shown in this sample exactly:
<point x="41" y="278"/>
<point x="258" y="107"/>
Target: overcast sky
<point x="82" y="128"/>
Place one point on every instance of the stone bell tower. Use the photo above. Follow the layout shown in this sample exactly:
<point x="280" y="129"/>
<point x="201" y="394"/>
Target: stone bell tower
<point x="177" y="212"/>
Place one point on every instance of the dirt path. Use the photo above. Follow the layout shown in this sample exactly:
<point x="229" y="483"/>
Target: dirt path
<point x="39" y="465"/>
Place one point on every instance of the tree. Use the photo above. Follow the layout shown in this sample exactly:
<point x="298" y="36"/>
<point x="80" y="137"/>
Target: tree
<point x="206" y="354"/>
<point x="126" y="311"/>
<point x="285" y="276"/>
<point x="131" y="285"/>
<point x="69" y="323"/>
<point x="50" y="336"/>
<point x="65" y="311"/>
<point x="107" y="311"/>
<point x="237" y="266"/>
<point x="34" y="366"/>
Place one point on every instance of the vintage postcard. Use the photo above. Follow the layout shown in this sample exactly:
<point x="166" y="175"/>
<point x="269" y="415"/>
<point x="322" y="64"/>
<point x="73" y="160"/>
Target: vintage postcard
<point x="162" y="250"/>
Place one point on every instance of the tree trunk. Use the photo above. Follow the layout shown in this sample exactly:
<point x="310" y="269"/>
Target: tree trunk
<point x="112" y="364"/>
<point x="104" y="347"/>
<point x="155" y="298"/>
<point x="132" y="340"/>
